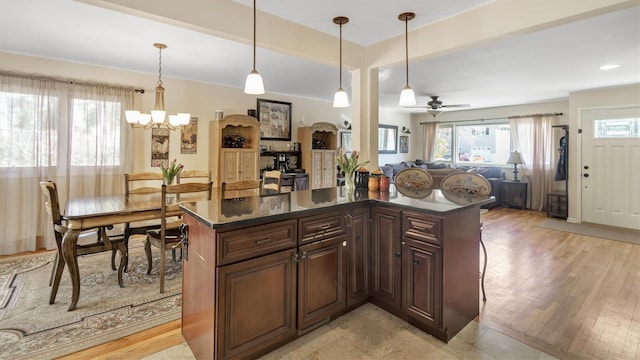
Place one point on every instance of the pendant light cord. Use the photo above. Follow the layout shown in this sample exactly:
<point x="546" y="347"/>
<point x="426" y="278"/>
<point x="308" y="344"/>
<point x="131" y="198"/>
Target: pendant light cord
<point x="406" y="47"/>
<point x="254" y="35"/>
<point x="340" y="55"/>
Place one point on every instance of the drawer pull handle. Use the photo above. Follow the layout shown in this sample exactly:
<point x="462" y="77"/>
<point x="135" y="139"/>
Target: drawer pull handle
<point x="262" y="241"/>
<point x="324" y="227"/>
<point x="416" y="262"/>
<point x="421" y="228"/>
<point x="398" y="254"/>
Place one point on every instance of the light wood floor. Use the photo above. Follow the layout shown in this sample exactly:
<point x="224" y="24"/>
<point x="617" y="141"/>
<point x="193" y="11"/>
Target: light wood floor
<point x="566" y="294"/>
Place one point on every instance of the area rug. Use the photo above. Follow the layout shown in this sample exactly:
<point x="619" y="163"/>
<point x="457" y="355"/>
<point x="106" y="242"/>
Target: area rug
<point x="30" y="328"/>
<point x="595" y="230"/>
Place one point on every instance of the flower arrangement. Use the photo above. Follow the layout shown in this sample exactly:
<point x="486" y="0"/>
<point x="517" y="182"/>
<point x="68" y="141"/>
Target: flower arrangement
<point x="349" y="164"/>
<point x="170" y="171"/>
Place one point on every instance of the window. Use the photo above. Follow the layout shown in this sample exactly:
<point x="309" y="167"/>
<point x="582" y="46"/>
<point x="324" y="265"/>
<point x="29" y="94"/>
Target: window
<point x="34" y="122"/>
<point x="481" y="143"/>
<point x="95" y="133"/>
<point x="617" y="128"/>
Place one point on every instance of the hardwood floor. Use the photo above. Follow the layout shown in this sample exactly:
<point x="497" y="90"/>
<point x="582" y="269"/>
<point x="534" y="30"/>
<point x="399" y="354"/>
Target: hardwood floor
<point x="570" y="295"/>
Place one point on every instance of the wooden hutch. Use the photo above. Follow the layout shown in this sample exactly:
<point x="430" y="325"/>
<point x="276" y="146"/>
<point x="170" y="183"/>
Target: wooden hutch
<point x="234" y="144"/>
<point x="318" y="146"/>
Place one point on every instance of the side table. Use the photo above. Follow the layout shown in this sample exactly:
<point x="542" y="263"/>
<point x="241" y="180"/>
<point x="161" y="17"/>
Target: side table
<point x="557" y="204"/>
<point x="513" y="194"/>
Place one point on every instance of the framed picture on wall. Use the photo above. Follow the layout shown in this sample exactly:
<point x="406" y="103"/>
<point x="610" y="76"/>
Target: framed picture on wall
<point x="404" y="144"/>
<point x="275" y="119"/>
<point x="159" y="147"/>
<point x="189" y="137"/>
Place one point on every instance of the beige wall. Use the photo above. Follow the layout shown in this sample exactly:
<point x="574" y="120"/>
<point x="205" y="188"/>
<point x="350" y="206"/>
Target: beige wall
<point x="201" y="99"/>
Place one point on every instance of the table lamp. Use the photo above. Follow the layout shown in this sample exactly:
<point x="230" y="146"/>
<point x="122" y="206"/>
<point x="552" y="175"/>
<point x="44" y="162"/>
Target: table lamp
<point x="515" y="158"/>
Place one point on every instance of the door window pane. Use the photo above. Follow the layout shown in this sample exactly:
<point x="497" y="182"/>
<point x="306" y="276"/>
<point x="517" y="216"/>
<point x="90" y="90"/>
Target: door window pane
<point x="616" y="128"/>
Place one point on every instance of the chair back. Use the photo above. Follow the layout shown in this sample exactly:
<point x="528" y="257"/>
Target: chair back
<point x="197" y="175"/>
<point x="142" y="183"/>
<point x="240" y="188"/>
<point x="271" y="182"/>
<point x="184" y="192"/>
<point x="468" y="183"/>
<point x="52" y="206"/>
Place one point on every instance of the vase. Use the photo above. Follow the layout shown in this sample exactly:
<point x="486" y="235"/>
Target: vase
<point x="349" y="181"/>
<point x="168" y="180"/>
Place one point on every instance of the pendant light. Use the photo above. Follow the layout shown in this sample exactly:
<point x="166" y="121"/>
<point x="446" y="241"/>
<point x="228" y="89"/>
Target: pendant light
<point x="407" y="97"/>
<point x="254" y="85"/>
<point x="340" y="99"/>
<point x="157" y="118"/>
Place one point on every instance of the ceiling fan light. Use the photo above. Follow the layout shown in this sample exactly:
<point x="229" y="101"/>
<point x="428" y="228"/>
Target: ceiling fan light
<point x="407" y="97"/>
<point x="254" y="84"/>
<point x="340" y="99"/>
<point x="434" y="113"/>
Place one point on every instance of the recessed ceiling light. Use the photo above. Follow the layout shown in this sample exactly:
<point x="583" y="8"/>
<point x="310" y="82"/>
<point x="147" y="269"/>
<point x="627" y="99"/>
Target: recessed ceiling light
<point x="609" y="66"/>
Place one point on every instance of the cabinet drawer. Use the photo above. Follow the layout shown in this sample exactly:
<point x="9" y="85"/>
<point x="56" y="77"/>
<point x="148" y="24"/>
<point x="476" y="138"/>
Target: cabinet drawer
<point x="421" y="227"/>
<point x="255" y="241"/>
<point x="322" y="226"/>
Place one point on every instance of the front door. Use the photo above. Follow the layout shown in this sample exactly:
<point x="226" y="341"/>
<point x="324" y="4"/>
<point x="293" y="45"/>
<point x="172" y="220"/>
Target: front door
<point x="610" y="169"/>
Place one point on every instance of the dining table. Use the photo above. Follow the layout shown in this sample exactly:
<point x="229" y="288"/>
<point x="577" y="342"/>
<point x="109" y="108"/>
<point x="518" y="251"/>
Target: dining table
<point x="86" y="213"/>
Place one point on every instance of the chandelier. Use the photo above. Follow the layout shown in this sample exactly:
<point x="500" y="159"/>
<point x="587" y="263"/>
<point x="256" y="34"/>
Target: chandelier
<point x="157" y="117"/>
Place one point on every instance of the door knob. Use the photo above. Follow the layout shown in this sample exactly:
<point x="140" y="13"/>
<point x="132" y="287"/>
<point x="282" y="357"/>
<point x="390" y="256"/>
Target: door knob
<point x="585" y="175"/>
<point x="586" y="167"/>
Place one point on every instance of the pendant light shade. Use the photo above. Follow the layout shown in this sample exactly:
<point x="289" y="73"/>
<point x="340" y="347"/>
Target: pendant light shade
<point x="158" y="115"/>
<point x="254" y="84"/>
<point x="407" y="96"/>
<point x="340" y="99"/>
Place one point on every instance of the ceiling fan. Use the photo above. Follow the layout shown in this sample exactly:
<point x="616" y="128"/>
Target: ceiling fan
<point x="434" y="106"/>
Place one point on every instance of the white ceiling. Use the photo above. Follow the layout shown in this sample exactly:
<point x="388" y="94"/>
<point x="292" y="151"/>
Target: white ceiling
<point x="539" y="66"/>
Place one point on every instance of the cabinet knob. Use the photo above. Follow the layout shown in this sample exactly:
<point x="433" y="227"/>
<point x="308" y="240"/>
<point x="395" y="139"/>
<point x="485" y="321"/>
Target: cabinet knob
<point x="416" y="262"/>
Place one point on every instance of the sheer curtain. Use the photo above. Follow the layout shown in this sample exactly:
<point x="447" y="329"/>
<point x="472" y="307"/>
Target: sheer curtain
<point x="532" y="137"/>
<point x="430" y="131"/>
<point x="71" y="133"/>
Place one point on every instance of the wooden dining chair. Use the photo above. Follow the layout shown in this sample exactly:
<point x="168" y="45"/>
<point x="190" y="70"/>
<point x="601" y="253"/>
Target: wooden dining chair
<point x="194" y="176"/>
<point x="139" y="186"/>
<point x="271" y="181"/>
<point x="471" y="184"/>
<point x="240" y="189"/>
<point x="89" y="242"/>
<point x="168" y="237"/>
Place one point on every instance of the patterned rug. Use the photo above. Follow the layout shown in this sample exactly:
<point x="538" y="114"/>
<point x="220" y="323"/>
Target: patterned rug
<point x="31" y="328"/>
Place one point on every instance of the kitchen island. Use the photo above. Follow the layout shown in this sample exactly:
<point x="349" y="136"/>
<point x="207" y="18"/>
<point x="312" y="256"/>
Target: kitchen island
<point x="259" y="271"/>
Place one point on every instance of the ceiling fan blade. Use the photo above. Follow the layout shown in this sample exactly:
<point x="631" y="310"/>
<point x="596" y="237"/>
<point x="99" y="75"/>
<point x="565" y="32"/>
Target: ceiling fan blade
<point x="456" y="105"/>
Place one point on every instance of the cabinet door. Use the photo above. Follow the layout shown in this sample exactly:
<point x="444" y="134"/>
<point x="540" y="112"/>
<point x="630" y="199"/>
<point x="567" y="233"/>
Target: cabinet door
<point x="386" y="256"/>
<point x="422" y="279"/>
<point x="317" y="161"/>
<point x="230" y="166"/>
<point x="357" y="255"/>
<point x="257" y="305"/>
<point x="329" y="169"/>
<point x="321" y="287"/>
<point x="249" y="165"/>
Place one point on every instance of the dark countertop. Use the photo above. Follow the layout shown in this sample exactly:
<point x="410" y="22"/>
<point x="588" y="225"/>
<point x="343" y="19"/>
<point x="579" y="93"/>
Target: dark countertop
<point x="221" y="213"/>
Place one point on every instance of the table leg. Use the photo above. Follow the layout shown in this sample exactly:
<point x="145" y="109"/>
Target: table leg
<point x="69" y="242"/>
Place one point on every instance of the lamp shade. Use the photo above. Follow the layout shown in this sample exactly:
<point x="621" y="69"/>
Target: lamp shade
<point x="407" y="97"/>
<point x="254" y="84"/>
<point x="340" y="99"/>
<point x="515" y="158"/>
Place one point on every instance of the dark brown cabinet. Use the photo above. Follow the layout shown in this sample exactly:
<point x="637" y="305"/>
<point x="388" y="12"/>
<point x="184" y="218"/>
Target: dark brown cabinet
<point x="386" y="257"/>
<point x="513" y="194"/>
<point x="257" y="305"/>
<point x="358" y="261"/>
<point x="321" y="281"/>
<point x="422" y="276"/>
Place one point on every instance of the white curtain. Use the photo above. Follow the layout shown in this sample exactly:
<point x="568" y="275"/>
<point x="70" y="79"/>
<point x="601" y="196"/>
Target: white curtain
<point x="430" y="131"/>
<point x="532" y="137"/>
<point x="73" y="134"/>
